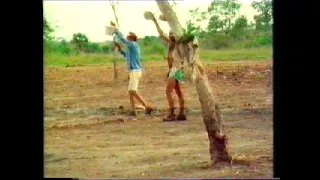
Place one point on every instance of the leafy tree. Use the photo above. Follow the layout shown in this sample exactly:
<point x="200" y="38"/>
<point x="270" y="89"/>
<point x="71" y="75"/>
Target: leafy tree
<point x="63" y="47"/>
<point x="239" y="28"/>
<point x="216" y="41"/>
<point x="81" y="41"/>
<point x="263" y="20"/>
<point x="147" y="40"/>
<point x="193" y="24"/>
<point x="47" y="30"/>
<point x="106" y="48"/>
<point x="94" y="47"/>
<point x="222" y="13"/>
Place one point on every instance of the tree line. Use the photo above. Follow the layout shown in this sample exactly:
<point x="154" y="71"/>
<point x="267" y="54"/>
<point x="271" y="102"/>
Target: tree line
<point x="225" y="28"/>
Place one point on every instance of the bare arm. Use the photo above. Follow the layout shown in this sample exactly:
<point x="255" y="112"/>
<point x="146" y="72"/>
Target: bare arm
<point x="165" y="38"/>
<point x="170" y="61"/>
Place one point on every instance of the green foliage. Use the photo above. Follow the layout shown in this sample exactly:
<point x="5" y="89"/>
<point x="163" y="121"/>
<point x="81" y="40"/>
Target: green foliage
<point x="106" y="48"/>
<point x="191" y="28"/>
<point x="60" y="47"/>
<point x="215" y="24"/>
<point x="262" y="53"/>
<point x="264" y="40"/>
<point x="152" y="45"/>
<point x="263" y="20"/>
<point x="222" y="13"/>
<point x="226" y="29"/>
<point x="193" y="24"/>
<point x="211" y="41"/>
<point x="81" y="41"/>
<point x="147" y="40"/>
<point x="94" y="47"/>
<point x="54" y="59"/>
<point x="47" y="30"/>
<point x="61" y="52"/>
<point x="186" y="37"/>
<point x="239" y="28"/>
<point x="63" y="47"/>
<point x="221" y="41"/>
<point x="154" y="48"/>
<point x="231" y="37"/>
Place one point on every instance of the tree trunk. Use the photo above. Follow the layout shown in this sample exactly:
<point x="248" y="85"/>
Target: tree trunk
<point x="212" y="120"/>
<point x="171" y="17"/>
<point x="115" y="71"/>
<point x="210" y="110"/>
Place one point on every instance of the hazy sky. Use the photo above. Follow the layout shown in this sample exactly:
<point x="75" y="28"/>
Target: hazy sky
<point x="91" y="17"/>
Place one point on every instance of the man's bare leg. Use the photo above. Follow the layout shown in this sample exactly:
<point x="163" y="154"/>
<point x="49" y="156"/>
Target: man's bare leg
<point x="169" y="90"/>
<point x="131" y="96"/>
<point x="142" y="101"/>
<point x="181" y="116"/>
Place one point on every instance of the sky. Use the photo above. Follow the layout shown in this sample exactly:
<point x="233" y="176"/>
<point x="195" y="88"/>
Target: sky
<point x="91" y="17"/>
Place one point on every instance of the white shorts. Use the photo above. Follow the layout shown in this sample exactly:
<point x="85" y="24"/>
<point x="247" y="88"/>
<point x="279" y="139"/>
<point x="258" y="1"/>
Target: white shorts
<point x="134" y="78"/>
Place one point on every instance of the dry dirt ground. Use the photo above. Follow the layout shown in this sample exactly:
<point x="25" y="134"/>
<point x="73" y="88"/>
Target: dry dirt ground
<point x="88" y="136"/>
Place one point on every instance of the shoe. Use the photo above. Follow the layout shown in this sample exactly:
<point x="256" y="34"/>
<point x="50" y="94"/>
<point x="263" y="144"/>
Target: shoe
<point x="170" y="117"/>
<point x="181" y="117"/>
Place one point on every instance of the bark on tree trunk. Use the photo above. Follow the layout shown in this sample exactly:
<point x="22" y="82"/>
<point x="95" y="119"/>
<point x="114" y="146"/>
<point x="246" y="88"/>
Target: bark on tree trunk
<point x="171" y="17"/>
<point x="115" y="70"/>
<point x="212" y="120"/>
<point x="210" y="110"/>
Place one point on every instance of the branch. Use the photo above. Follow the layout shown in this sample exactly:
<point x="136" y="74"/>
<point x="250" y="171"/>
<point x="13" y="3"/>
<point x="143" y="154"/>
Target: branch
<point x="112" y="4"/>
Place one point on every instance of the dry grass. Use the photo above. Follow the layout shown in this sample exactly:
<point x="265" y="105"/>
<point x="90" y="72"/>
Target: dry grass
<point x="87" y="136"/>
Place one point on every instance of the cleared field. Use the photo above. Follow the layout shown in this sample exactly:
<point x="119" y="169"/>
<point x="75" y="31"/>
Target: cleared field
<point x="88" y="136"/>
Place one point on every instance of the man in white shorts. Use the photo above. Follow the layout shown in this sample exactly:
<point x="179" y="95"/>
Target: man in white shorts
<point x="135" y="69"/>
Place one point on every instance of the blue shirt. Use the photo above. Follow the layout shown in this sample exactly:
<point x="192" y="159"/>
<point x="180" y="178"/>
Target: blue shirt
<point x="132" y="55"/>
